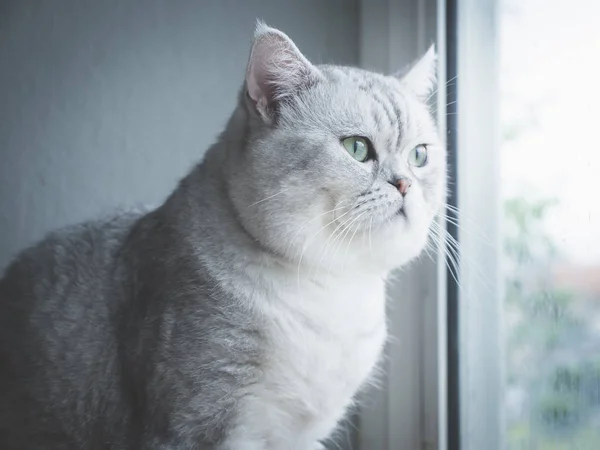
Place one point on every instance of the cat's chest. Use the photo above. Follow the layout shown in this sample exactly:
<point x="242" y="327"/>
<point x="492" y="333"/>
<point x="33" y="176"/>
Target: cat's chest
<point x="324" y="343"/>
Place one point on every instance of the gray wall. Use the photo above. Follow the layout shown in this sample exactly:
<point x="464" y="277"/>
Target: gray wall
<point x="107" y="104"/>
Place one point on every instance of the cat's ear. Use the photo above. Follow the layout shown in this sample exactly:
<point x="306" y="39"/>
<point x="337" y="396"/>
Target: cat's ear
<point x="420" y="78"/>
<point x="276" y="69"/>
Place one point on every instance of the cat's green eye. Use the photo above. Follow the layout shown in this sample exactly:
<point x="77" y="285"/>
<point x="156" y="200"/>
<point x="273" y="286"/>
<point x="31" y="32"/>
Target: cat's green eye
<point x="357" y="147"/>
<point x="418" y="156"/>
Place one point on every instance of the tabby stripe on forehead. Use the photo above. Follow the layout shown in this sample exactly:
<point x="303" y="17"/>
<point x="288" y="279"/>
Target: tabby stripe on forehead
<point x="377" y="117"/>
<point x="386" y="108"/>
<point x="399" y="115"/>
<point x="366" y="85"/>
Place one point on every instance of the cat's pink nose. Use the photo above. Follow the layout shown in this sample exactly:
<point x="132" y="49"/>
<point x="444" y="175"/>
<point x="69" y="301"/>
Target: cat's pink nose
<point x="403" y="184"/>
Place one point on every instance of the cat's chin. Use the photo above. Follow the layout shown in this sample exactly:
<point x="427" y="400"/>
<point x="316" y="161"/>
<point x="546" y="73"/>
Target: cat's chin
<point x="399" y="242"/>
<point x="401" y="213"/>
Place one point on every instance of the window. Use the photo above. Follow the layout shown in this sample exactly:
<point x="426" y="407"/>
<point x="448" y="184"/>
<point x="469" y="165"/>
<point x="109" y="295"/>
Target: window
<point x="529" y="300"/>
<point x="549" y="109"/>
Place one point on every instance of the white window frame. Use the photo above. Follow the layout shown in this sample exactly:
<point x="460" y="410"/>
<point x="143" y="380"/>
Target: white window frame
<point x="481" y="355"/>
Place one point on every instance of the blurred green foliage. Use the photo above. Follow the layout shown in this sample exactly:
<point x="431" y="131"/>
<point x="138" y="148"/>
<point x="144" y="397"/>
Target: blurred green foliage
<point x="552" y="364"/>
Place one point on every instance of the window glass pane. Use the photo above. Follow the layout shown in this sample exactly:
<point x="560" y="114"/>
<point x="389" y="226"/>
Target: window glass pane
<point x="550" y="120"/>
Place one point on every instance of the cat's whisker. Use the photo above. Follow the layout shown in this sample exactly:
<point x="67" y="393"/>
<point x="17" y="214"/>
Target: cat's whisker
<point x="462" y="221"/>
<point x="352" y="237"/>
<point x="479" y="274"/>
<point x="457" y="211"/>
<point x="451" y="249"/>
<point x="332" y="238"/>
<point x="312" y="238"/>
<point x="336" y="244"/>
<point x="299" y="230"/>
<point x="428" y="248"/>
<point x="453" y="266"/>
<point x="433" y="112"/>
<point x="346" y="232"/>
<point x="437" y="90"/>
<point x="481" y="238"/>
<point x="269" y="197"/>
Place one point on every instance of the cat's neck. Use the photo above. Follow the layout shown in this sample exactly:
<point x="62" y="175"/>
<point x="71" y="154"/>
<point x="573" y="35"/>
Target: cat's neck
<point x="201" y="206"/>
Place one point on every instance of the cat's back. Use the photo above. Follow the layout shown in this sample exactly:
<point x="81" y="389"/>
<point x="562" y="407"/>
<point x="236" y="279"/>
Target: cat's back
<point x="56" y="333"/>
<point x="70" y="261"/>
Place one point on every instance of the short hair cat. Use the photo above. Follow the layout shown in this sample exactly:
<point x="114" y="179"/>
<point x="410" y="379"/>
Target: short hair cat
<point x="247" y="311"/>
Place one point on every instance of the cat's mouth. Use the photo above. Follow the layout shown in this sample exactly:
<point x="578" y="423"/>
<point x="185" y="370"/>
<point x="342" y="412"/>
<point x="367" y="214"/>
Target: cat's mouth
<point x="401" y="211"/>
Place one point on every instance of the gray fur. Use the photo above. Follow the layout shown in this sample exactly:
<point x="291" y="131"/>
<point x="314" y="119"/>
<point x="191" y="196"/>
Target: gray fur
<point x="142" y="331"/>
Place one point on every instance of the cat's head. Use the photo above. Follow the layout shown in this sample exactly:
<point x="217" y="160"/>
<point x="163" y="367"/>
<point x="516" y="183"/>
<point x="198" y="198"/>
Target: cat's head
<point x="340" y="167"/>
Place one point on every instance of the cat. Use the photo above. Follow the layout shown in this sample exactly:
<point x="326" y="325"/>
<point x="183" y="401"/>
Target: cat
<point x="247" y="310"/>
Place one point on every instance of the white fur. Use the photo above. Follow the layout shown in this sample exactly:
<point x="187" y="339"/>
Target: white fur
<point x="325" y="342"/>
